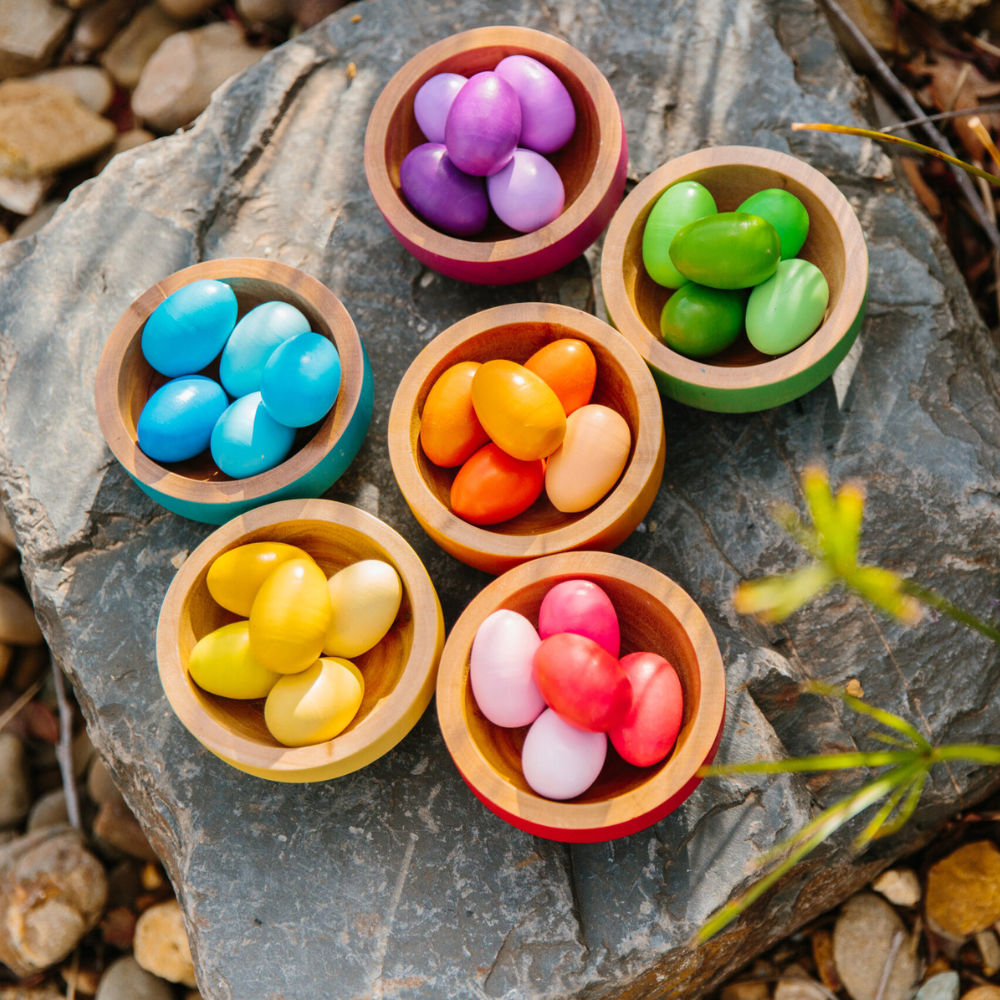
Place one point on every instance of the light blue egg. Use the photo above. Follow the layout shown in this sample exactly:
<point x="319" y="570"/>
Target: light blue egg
<point x="253" y="342"/>
<point x="301" y="380"/>
<point x="188" y="329"/>
<point x="176" y="422"/>
<point x="247" y="441"/>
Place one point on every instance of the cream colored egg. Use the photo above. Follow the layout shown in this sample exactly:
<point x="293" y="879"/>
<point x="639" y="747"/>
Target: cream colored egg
<point x="315" y="705"/>
<point x="365" y="599"/>
<point x="590" y="459"/>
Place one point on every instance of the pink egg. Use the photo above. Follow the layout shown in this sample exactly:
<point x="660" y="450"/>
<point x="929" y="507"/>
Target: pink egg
<point x="560" y="761"/>
<point x="580" y="607"/>
<point x="527" y="193"/>
<point x="650" y="729"/>
<point x="483" y="125"/>
<point x="441" y="194"/>
<point x="548" y="118"/>
<point x="433" y="102"/>
<point x="500" y="670"/>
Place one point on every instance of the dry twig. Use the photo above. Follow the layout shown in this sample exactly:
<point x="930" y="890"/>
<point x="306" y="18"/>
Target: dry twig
<point x="64" y="749"/>
<point x="21" y="702"/>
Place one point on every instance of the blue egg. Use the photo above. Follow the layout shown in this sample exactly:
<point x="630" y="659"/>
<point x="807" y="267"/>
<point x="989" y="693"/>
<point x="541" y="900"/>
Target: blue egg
<point x="188" y="329"/>
<point x="253" y="342"/>
<point x="247" y="441"/>
<point x="176" y="422"/>
<point x="301" y="380"/>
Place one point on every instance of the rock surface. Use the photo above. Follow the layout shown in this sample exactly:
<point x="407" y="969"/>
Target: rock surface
<point x="394" y="881"/>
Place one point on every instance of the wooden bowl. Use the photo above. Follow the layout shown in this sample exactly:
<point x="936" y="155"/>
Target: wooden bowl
<point x="197" y="488"/>
<point x="399" y="672"/>
<point x="592" y="165"/>
<point x="515" y="332"/>
<point x="740" y="379"/>
<point x="655" y="616"/>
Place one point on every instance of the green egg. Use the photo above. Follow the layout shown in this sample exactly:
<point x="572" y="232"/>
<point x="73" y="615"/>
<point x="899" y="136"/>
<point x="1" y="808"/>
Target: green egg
<point x="785" y="310"/>
<point x="728" y="250"/>
<point x="677" y="206"/>
<point x="699" y="322"/>
<point x="786" y="213"/>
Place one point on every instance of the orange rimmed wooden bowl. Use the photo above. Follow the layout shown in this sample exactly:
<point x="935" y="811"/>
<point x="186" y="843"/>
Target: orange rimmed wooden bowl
<point x="399" y="672"/>
<point x="592" y="165"/>
<point x="655" y="615"/>
<point x="515" y="332"/>
<point x="197" y="488"/>
<point x="740" y="379"/>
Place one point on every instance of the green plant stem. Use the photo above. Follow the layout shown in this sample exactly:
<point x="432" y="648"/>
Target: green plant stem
<point x="942" y="604"/>
<point x="823" y="762"/>
<point x="978" y="752"/>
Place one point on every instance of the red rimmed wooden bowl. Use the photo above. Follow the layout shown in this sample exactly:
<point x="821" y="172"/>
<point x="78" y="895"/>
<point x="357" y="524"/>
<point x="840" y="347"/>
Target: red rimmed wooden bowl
<point x="592" y="165"/>
<point x="740" y="379"/>
<point x="515" y="332"/>
<point x="655" y="615"/>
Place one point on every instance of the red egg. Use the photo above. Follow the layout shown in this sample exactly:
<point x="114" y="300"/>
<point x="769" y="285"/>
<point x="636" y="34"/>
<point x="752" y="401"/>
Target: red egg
<point x="650" y="728"/>
<point x="581" y="607"/>
<point x="583" y="683"/>
<point x="492" y="486"/>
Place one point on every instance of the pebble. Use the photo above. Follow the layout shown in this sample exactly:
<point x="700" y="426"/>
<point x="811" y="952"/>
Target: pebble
<point x="899" y="885"/>
<point x="118" y="927"/>
<point x="796" y="984"/>
<point x="82" y="751"/>
<point x="267" y="11"/>
<point x="963" y="890"/>
<point x="135" y="44"/>
<point x="101" y="785"/>
<point x="15" y="793"/>
<point x="745" y="991"/>
<point x="37" y="220"/>
<point x="49" y="810"/>
<point x="862" y="937"/>
<point x="127" y="980"/>
<point x="124" y="141"/>
<point x="6" y="655"/>
<point x="30" y="31"/>
<point x="161" y="943"/>
<point x="989" y="950"/>
<point x="91" y="85"/>
<point x="23" y="196"/>
<point x="115" y="826"/>
<point x="17" y="619"/>
<point x="98" y="25"/>
<point x="308" y="13"/>
<point x="943" y="986"/>
<point x="48" y="991"/>
<point x="988" y="992"/>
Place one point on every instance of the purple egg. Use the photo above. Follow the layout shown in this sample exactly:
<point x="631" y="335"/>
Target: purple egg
<point x="441" y="194"/>
<point x="433" y="102"/>
<point x="528" y="193"/>
<point x="483" y="125"/>
<point x="548" y="118"/>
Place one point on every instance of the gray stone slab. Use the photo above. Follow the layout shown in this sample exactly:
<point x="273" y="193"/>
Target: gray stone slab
<point x="395" y="881"/>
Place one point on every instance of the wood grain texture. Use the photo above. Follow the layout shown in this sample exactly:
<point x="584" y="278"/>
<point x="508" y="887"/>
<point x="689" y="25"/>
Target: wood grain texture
<point x="739" y="379"/>
<point x="592" y="165"/>
<point x="126" y="380"/>
<point x="399" y="672"/>
<point x="515" y="332"/>
<point x="655" y="615"/>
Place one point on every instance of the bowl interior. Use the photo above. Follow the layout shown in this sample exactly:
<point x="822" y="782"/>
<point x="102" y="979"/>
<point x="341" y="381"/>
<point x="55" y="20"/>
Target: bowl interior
<point x="731" y="185"/>
<point x="517" y="342"/>
<point x="333" y="547"/>
<point x="138" y="380"/>
<point x="647" y="625"/>
<point x="575" y="162"/>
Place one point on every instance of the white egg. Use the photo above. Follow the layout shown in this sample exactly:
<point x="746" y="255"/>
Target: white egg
<point x="365" y="598"/>
<point x="500" y="670"/>
<point x="560" y="761"/>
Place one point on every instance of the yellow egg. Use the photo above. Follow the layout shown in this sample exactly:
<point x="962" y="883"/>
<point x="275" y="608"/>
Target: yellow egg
<point x="235" y="577"/>
<point x="315" y="705"/>
<point x="521" y="414"/>
<point x="592" y="457"/>
<point x="290" y="617"/>
<point x="365" y="598"/>
<point x="222" y="663"/>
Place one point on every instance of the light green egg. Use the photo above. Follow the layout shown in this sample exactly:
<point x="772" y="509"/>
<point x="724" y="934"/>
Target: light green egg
<point x="786" y="213"/>
<point x="784" y="311"/>
<point x="680" y="204"/>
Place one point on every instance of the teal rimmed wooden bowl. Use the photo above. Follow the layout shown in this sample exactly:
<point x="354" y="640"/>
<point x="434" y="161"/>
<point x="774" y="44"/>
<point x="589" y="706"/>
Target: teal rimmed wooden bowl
<point x="740" y="379"/>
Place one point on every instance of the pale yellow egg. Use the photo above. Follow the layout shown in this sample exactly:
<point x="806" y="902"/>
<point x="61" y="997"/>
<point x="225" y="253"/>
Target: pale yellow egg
<point x="315" y="705"/>
<point x="365" y="599"/>
<point x="222" y="663"/>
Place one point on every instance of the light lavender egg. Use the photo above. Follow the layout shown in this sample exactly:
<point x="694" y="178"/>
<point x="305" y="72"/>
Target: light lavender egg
<point x="433" y="102"/>
<point x="441" y="194"/>
<point x="548" y="118"/>
<point x="483" y="125"/>
<point x="528" y="193"/>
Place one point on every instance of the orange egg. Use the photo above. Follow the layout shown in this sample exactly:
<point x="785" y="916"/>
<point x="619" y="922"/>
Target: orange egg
<point x="518" y="410"/>
<point x="569" y="368"/>
<point x="450" y="431"/>
<point x="492" y="487"/>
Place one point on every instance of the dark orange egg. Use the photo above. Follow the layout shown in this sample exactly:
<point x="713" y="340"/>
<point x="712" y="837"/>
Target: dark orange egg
<point x="492" y="486"/>
<point x="450" y="431"/>
<point x="569" y="368"/>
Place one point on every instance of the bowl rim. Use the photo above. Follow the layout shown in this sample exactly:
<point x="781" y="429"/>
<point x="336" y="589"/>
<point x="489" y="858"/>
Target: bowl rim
<point x="159" y="477"/>
<point x="668" y="785"/>
<point x="496" y="252"/>
<point x="703" y="373"/>
<point x="384" y="727"/>
<point x="647" y="454"/>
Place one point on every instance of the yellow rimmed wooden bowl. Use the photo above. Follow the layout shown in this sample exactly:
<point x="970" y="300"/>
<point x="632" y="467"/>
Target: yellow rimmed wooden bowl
<point x="399" y="672"/>
<point x="515" y="332"/>
<point x="655" y="615"/>
<point x="740" y="379"/>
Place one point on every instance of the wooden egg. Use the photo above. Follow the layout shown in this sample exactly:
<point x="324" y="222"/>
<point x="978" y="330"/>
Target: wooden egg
<point x="568" y="367"/>
<point x="316" y="704"/>
<point x="649" y="730"/>
<point x="364" y="598"/>
<point x="501" y="670"/>
<point x="235" y="577"/>
<point x="492" y="487"/>
<point x="222" y="663"/>
<point x="581" y="607"/>
<point x="559" y="760"/>
<point x="450" y="431"/>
